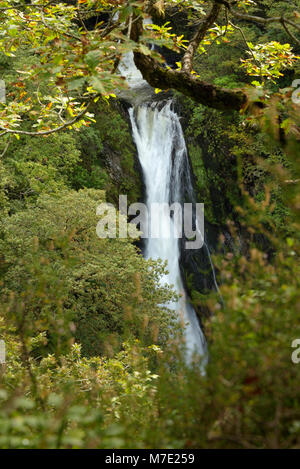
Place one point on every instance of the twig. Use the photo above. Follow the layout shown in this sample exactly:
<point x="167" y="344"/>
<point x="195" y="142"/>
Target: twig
<point x="47" y="132"/>
<point x="283" y="22"/>
<point x="63" y="33"/>
<point x="5" y="149"/>
<point x="246" y="42"/>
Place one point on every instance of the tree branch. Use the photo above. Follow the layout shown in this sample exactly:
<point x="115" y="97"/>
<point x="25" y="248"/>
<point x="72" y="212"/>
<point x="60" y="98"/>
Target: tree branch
<point x="261" y="20"/>
<point x="202" y="92"/>
<point x="283" y="22"/>
<point x="187" y="60"/>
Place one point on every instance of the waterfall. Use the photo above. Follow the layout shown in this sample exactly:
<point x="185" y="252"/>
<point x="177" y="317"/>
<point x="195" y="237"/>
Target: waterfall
<point x="162" y="153"/>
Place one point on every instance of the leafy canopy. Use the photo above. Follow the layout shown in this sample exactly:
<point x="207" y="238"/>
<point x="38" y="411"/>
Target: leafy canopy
<point x="75" y="51"/>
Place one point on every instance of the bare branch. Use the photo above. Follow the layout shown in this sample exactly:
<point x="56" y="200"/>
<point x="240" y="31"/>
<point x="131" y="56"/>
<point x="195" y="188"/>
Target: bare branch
<point x="246" y="43"/>
<point x="164" y="78"/>
<point x="202" y="92"/>
<point x="5" y="148"/>
<point x="261" y="20"/>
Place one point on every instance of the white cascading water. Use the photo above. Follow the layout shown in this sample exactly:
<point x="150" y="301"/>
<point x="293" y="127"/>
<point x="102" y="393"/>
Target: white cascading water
<point x="162" y="152"/>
